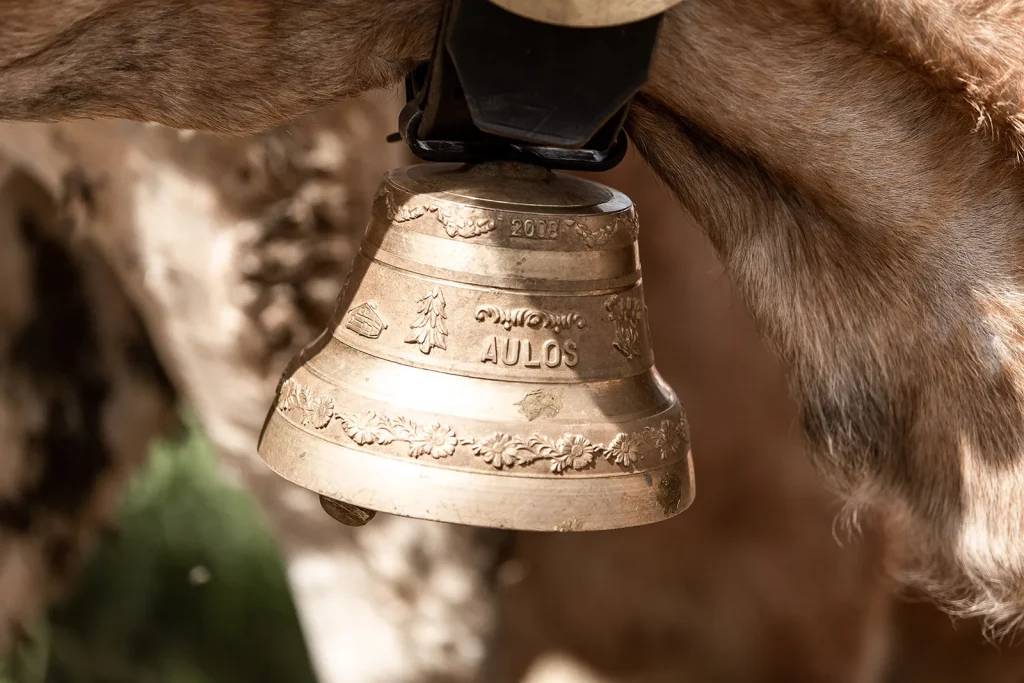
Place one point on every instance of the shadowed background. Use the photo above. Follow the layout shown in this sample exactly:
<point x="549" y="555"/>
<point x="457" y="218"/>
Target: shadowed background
<point x="748" y="585"/>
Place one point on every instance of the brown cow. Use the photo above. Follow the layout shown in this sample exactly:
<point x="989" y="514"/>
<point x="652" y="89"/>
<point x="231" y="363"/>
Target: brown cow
<point x="854" y="165"/>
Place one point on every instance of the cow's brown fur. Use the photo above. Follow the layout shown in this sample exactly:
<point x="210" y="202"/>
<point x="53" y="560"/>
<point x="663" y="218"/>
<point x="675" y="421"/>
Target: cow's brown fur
<point x="831" y="151"/>
<point x="875" y="237"/>
<point x="236" y="66"/>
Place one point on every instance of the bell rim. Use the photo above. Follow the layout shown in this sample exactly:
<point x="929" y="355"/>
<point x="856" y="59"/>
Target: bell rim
<point x="422" y="180"/>
<point x="552" y="503"/>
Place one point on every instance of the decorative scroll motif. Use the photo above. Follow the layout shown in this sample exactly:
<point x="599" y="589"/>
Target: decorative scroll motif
<point x="627" y="313"/>
<point x="430" y="329"/>
<point x="365" y="321"/>
<point x="597" y="237"/>
<point x="570" y="452"/>
<point x="315" y="411"/>
<point x="529" y="317"/>
<point x="456" y="221"/>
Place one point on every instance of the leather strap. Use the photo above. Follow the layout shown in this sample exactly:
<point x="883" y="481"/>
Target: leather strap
<point x="503" y="87"/>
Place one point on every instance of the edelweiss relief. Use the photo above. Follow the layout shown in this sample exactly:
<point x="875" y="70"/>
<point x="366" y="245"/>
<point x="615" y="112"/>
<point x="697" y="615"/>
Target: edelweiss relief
<point x="499" y="449"/>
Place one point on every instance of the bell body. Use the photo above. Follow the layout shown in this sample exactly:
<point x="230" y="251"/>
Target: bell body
<point x="489" y="362"/>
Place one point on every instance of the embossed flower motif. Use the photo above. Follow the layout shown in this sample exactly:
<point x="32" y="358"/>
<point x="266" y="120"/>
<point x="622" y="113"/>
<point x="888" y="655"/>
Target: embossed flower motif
<point x="437" y="440"/>
<point x="626" y="449"/>
<point x="575" y="451"/>
<point x="361" y="428"/>
<point x="286" y="397"/>
<point x="321" y="410"/>
<point x="666" y="437"/>
<point x="500" y="450"/>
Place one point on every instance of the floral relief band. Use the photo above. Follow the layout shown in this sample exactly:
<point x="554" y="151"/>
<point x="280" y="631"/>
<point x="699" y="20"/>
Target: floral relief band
<point x="500" y="450"/>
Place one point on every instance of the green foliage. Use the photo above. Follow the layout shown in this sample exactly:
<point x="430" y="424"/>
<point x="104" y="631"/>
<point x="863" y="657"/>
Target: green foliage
<point x="27" y="664"/>
<point x="189" y="590"/>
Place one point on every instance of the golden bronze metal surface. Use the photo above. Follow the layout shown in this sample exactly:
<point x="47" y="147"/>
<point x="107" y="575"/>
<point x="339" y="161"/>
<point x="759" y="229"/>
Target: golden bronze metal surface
<point x="489" y="362"/>
<point x="349" y="515"/>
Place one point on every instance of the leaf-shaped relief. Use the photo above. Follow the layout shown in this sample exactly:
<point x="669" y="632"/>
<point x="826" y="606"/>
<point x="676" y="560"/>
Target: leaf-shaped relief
<point x="593" y="237"/>
<point x="459" y="222"/>
<point x="456" y="221"/>
<point x="627" y="313"/>
<point x="398" y="213"/>
<point x="429" y="330"/>
<point x="631" y="221"/>
<point x="304" y="398"/>
<point x="598" y="236"/>
<point x="402" y="428"/>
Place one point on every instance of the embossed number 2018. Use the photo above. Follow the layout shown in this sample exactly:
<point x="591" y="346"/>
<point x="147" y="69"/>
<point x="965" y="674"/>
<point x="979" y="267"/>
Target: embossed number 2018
<point x="538" y="230"/>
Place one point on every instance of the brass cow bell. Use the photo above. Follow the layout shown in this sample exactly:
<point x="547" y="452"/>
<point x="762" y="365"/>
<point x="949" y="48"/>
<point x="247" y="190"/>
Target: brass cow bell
<point x="489" y="363"/>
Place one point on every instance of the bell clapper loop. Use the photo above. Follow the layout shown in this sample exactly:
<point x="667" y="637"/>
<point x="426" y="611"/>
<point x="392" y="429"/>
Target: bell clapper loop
<point x="349" y="515"/>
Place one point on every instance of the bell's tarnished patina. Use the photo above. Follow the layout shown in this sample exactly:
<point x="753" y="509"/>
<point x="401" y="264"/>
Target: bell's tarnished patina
<point x="489" y="363"/>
